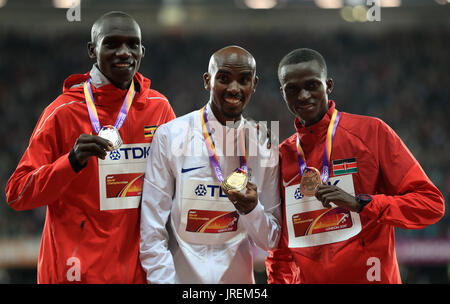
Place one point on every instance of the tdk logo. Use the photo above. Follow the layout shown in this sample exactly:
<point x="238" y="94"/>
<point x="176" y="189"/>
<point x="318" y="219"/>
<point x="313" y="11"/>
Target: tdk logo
<point x="200" y="190"/>
<point x="297" y="194"/>
<point x="114" y="155"/>
<point x="203" y="190"/>
<point x="130" y="153"/>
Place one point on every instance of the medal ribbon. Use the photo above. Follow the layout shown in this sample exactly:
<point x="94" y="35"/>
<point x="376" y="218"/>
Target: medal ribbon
<point x="93" y="111"/>
<point x="212" y="149"/>
<point x="326" y="152"/>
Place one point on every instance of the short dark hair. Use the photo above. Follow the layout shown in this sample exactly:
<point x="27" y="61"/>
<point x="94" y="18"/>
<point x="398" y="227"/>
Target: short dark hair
<point x="302" y="55"/>
<point x="113" y="14"/>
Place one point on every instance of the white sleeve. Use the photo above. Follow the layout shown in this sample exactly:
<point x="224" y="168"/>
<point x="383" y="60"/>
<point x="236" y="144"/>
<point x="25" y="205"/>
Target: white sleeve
<point x="159" y="183"/>
<point x="263" y="222"/>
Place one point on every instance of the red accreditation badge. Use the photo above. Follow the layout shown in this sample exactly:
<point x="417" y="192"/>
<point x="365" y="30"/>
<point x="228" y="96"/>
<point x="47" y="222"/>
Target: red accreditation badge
<point x="323" y="220"/>
<point x="124" y="185"/>
<point x="210" y="221"/>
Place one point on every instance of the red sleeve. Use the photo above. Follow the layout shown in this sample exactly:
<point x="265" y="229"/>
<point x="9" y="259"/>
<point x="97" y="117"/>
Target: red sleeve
<point x="43" y="172"/>
<point x="167" y="114"/>
<point x="409" y="200"/>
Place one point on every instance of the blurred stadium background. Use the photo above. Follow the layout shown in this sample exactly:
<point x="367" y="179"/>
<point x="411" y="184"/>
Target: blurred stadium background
<point x="396" y="68"/>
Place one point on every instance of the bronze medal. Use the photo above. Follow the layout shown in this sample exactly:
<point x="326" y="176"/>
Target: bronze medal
<point x="310" y="182"/>
<point x="112" y="134"/>
<point x="236" y="181"/>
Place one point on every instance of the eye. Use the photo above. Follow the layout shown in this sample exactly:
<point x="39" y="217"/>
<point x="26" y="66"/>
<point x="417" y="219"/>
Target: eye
<point x="108" y="43"/>
<point x="222" y="77"/>
<point x="246" y="80"/>
<point x="291" y="90"/>
<point x="134" y="44"/>
<point x="313" y="85"/>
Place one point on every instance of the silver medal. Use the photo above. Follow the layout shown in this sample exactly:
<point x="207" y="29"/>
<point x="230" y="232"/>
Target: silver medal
<point x="112" y="134"/>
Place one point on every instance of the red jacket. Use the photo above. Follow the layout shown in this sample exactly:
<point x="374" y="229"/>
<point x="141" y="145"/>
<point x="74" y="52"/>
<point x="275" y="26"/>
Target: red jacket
<point x="403" y="196"/>
<point x="81" y="243"/>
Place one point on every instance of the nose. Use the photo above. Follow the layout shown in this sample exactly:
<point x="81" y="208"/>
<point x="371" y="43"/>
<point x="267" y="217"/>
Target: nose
<point x="233" y="87"/>
<point x="304" y="95"/>
<point x="123" y="51"/>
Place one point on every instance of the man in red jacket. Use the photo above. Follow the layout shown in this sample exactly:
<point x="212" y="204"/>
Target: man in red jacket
<point x="347" y="181"/>
<point x="89" y="177"/>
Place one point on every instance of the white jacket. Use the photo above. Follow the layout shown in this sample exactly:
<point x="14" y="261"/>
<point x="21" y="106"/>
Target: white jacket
<point x="190" y="231"/>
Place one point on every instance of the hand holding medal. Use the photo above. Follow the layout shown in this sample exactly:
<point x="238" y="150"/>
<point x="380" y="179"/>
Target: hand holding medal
<point x="87" y="146"/>
<point x="244" y="200"/>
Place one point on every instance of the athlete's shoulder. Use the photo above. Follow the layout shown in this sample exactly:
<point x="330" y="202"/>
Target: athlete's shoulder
<point x="155" y="96"/>
<point x="358" y="123"/>
<point x="289" y="143"/>
<point x="151" y="95"/>
<point x="368" y="130"/>
<point x="64" y="104"/>
<point x="186" y="119"/>
<point x="179" y="125"/>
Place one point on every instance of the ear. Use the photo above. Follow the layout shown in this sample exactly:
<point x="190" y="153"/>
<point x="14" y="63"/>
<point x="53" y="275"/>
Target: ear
<point x="91" y="50"/>
<point x="282" y="92"/>
<point x="330" y="85"/>
<point x="255" y="83"/>
<point x="207" y="81"/>
<point x="143" y="51"/>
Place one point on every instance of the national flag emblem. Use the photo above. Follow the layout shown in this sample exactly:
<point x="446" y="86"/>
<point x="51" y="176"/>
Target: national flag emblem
<point x="149" y="131"/>
<point x="344" y="166"/>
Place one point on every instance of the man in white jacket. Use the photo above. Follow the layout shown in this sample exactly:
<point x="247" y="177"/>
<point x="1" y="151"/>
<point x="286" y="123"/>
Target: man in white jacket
<point x="192" y="229"/>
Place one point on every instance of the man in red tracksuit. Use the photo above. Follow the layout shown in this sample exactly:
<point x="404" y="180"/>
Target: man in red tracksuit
<point x="347" y="181"/>
<point x="91" y="231"/>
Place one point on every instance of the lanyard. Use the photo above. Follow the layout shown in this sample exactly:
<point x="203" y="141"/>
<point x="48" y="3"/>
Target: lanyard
<point x="326" y="152"/>
<point x="93" y="111"/>
<point x="212" y="149"/>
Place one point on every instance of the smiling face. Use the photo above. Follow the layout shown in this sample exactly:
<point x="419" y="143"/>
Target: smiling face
<point x="116" y="45"/>
<point x="305" y="88"/>
<point x="231" y="81"/>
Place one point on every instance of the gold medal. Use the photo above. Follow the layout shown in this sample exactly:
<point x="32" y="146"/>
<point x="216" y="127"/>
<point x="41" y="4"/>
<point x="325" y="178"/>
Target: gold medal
<point x="311" y="181"/>
<point x="236" y="181"/>
<point x="112" y="134"/>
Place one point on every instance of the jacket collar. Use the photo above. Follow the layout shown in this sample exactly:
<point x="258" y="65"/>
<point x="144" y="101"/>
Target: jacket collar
<point x="97" y="78"/>
<point x="319" y="128"/>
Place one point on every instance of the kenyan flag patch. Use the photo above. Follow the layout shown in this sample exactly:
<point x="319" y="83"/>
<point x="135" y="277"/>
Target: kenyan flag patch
<point x="344" y="166"/>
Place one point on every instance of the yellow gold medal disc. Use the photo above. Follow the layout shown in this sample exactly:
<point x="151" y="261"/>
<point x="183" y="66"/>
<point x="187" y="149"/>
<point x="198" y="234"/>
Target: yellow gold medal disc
<point x="236" y="181"/>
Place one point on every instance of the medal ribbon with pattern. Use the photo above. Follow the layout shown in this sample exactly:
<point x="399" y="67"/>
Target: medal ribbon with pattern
<point x="93" y="111"/>
<point x="327" y="150"/>
<point x="212" y="149"/>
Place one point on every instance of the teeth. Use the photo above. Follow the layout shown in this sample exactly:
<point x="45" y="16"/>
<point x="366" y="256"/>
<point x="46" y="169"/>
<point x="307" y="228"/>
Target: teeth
<point x="232" y="100"/>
